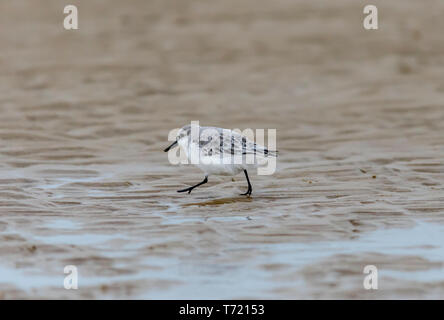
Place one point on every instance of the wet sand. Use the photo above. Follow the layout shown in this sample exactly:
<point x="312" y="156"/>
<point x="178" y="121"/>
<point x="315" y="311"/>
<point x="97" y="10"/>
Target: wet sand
<point x="360" y="128"/>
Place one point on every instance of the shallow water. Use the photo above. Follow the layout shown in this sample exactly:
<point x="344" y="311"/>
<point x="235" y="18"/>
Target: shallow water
<point x="262" y="273"/>
<point x="85" y="116"/>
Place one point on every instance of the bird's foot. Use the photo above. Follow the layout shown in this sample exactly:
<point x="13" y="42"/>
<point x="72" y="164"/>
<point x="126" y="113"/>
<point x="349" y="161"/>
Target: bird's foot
<point x="248" y="193"/>
<point x="185" y="190"/>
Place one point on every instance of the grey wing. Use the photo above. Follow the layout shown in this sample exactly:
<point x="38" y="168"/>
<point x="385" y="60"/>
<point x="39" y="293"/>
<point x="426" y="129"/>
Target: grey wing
<point x="236" y="143"/>
<point x="209" y="147"/>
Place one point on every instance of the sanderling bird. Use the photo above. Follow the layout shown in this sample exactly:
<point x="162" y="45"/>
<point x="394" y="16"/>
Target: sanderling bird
<point x="218" y="152"/>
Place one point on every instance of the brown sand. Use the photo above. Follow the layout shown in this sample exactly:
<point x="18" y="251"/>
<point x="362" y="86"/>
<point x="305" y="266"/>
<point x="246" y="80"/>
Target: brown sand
<point x="360" y="128"/>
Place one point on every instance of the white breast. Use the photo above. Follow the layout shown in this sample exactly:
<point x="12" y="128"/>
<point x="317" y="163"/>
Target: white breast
<point x="209" y="164"/>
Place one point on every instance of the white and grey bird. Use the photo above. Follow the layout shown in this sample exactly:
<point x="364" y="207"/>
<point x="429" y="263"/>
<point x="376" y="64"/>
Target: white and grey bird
<point x="219" y="151"/>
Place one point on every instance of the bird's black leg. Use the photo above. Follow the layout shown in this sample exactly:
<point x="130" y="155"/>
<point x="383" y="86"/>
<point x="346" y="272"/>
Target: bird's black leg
<point x="250" y="189"/>
<point x="191" y="188"/>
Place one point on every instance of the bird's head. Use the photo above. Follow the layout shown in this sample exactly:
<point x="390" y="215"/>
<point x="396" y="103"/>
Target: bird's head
<point x="182" y="133"/>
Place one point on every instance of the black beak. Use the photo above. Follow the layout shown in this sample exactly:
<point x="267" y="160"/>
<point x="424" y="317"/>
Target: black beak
<point x="171" y="146"/>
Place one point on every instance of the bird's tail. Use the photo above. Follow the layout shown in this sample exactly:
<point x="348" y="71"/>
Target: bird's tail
<point x="270" y="153"/>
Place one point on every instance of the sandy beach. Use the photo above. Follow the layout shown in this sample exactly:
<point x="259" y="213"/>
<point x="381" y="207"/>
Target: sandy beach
<point x="85" y="115"/>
